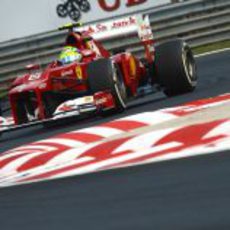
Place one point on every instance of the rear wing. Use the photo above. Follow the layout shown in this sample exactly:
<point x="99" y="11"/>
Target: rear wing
<point x="138" y="25"/>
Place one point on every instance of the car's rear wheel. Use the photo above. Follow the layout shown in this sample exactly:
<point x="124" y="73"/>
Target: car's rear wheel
<point x="176" y="68"/>
<point x="104" y="75"/>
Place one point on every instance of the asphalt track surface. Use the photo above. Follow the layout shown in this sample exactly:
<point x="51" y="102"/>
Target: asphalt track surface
<point x="181" y="194"/>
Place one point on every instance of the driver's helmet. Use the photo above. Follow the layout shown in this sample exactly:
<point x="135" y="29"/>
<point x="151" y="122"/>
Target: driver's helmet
<point x="69" y="54"/>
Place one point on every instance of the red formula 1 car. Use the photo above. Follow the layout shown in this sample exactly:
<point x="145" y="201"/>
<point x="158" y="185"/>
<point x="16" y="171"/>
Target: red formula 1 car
<point x="86" y="78"/>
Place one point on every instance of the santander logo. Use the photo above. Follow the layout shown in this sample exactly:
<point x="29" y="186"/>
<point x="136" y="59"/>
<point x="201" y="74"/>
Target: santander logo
<point x="117" y="3"/>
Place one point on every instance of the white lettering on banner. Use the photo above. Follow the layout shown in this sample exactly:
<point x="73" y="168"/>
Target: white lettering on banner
<point x="137" y="24"/>
<point x="112" y="28"/>
<point x="107" y="6"/>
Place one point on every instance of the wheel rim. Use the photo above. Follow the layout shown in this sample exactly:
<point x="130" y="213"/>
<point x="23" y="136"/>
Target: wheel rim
<point x="120" y="88"/>
<point x="189" y="66"/>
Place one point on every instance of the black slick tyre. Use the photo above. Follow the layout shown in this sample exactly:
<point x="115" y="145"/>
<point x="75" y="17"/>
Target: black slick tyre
<point x="176" y="68"/>
<point x="104" y="75"/>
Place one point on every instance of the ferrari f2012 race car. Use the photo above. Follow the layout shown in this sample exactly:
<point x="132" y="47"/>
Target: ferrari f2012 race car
<point x="87" y="78"/>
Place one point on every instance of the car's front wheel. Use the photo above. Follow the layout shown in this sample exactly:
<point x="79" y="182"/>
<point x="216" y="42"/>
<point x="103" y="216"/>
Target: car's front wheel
<point x="104" y="75"/>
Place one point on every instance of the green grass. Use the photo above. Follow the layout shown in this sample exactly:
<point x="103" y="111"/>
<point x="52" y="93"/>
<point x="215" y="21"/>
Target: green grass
<point x="3" y="94"/>
<point x="212" y="47"/>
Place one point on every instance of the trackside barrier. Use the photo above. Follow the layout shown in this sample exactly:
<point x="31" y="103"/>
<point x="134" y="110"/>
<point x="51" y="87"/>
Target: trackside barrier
<point x="199" y="22"/>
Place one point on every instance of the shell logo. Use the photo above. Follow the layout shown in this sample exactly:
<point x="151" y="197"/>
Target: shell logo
<point x="133" y="67"/>
<point x="79" y="72"/>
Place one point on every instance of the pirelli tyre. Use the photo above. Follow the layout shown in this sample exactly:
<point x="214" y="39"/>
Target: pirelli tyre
<point x="175" y="67"/>
<point x="105" y="75"/>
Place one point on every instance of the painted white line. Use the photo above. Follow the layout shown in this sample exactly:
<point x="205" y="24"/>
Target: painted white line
<point x="100" y="131"/>
<point x="151" y="118"/>
<point x="212" y="52"/>
<point x="63" y="141"/>
<point x="69" y="156"/>
<point x="27" y="149"/>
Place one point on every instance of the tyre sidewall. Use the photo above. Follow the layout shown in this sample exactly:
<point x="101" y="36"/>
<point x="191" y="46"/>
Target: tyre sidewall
<point x="172" y="61"/>
<point x="104" y="75"/>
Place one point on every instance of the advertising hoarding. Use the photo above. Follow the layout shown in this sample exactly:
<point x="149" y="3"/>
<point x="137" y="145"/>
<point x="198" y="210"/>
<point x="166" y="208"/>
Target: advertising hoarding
<point x="27" y="17"/>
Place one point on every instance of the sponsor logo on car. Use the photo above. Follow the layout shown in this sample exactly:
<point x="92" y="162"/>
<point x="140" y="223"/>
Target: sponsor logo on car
<point x="67" y="73"/>
<point x="133" y="68"/>
<point x="34" y="76"/>
<point x="79" y="72"/>
<point x="101" y="101"/>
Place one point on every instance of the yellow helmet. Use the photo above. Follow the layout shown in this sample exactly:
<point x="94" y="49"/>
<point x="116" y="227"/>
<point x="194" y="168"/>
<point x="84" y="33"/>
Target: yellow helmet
<point x="69" y="54"/>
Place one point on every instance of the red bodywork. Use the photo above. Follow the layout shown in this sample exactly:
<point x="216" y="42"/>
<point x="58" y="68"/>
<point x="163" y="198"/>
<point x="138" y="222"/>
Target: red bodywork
<point x="29" y="94"/>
